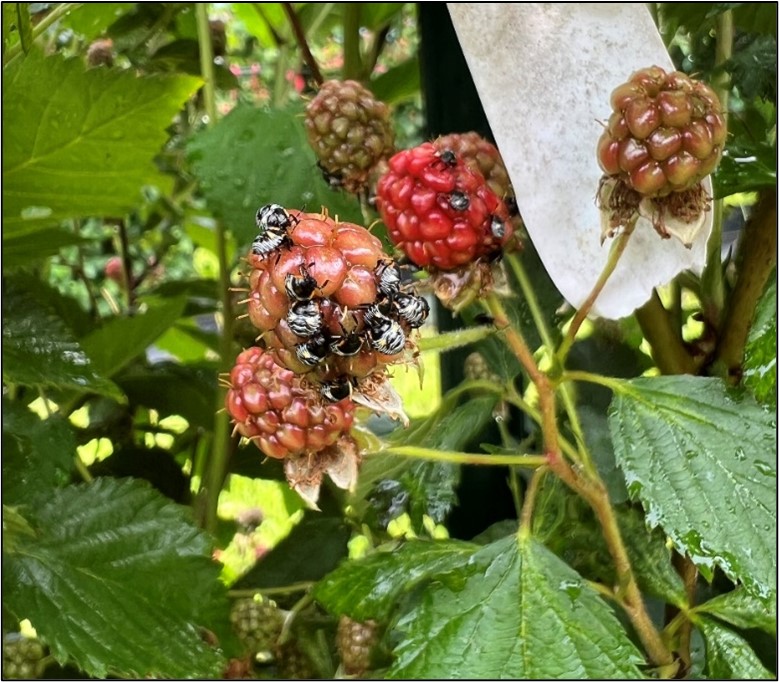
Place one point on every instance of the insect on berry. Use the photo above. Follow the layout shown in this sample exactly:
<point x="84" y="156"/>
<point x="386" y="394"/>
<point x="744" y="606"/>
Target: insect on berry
<point x="413" y="309"/>
<point x="336" y="390"/>
<point x="313" y="351"/>
<point x="300" y="287"/>
<point x="497" y="227"/>
<point x="272" y="222"/>
<point x="385" y="334"/>
<point x="459" y="201"/>
<point x="346" y="345"/>
<point x="388" y="277"/>
<point x="448" y="158"/>
<point x="305" y="318"/>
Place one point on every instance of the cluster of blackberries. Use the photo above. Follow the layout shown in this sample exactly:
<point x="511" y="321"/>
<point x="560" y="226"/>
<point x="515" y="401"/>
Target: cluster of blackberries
<point x="331" y="303"/>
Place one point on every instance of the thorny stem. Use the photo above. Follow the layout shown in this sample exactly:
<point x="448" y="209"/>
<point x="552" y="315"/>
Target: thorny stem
<point x="566" y="394"/>
<point x="93" y="311"/>
<point x="668" y="348"/>
<point x="465" y="457"/>
<point x="55" y="15"/>
<point x="589" y="486"/>
<point x="689" y="574"/>
<point x="615" y="253"/>
<point x="594" y="493"/>
<point x="526" y="518"/>
<point x="712" y="279"/>
<point x="376" y="47"/>
<point x="756" y="261"/>
<point x="300" y="36"/>
<point x="127" y="265"/>
<point x="216" y="470"/>
<point x="302" y="586"/>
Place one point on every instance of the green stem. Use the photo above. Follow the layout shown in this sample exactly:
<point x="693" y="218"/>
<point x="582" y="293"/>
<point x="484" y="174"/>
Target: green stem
<point x="300" y="36"/>
<point x="55" y="15"/>
<point x="712" y="279"/>
<point x="526" y="519"/>
<point x="466" y="457"/>
<point x="612" y="384"/>
<point x="127" y="266"/>
<point x="615" y="253"/>
<point x="352" y="61"/>
<point x="566" y="395"/>
<point x="216" y="470"/>
<point x="206" y="60"/>
<point x="756" y="261"/>
<point x="280" y="87"/>
<point x="302" y="586"/>
<point x="455" y="339"/>
<point x="668" y="348"/>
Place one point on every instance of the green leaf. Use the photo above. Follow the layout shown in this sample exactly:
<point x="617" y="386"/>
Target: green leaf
<point x="398" y="84"/>
<point x="513" y="612"/>
<point x="118" y="580"/>
<point x="23" y="249"/>
<point x="371" y="587"/>
<point x="253" y="157"/>
<point x="743" y="610"/>
<point x="728" y="656"/>
<point x="760" y="352"/>
<point x="91" y="19"/>
<point x="261" y="20"/>
<point x="309" y="552"/>
<point x="40" y="350"/>
<point x="567" y="526"/>
<point x="702" y="460"/>
<point x="374" y="15"/>
<point x="81" y="142"/>
<point x="753" y="66"/>
<point x="163" y="387"/>
<point x="121" y="339"/>
<point x="745" y="167"/>
<point x="38" y="454"/>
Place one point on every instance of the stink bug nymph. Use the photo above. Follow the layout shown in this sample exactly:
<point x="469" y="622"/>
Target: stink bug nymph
<point x="272" y="222"/>
<point x="413" y="309"/>
<point x="305" y="318"/>
<point x="388" y="275"/>
<point x="313" y="351"/>
<point x="459" y="201"/>
<point x="336" y="390"/>
<point x="300" y="287"/>
<point x="386" y="335"/>
<point x="346" y="345"/>
<point x="497" y="227"/>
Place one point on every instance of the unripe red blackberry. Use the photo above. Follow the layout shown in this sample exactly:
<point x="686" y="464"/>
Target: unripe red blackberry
<point x="330" y="301"/>
<point x="22" y="657"/>
<point x="438" y="211"/>
<point x="479" y="155"/>
<point x="350" y="132"/>
<point x="356" y="643"/>
<point x="665" y="134"/>
<point x="258" y="624"/>
<point x="293" y="663"/>
<point x="279" y="411"/>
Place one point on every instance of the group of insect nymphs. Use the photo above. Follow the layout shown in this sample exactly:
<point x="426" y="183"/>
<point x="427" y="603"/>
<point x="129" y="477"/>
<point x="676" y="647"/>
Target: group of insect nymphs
<point x="383" y="320"/>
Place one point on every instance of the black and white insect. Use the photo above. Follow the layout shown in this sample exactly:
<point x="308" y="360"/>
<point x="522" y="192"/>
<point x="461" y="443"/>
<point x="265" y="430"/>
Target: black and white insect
<point x="347" y="345"/>
<point x="272" y="222"/>
<point x="448" y="158"/>
<point x="497" y="227"/>
<point x="459" y="201"/>
<point x="333" y="179"/>
<point x="388" y="277"/>
<point x="313" y="351"/>
<point x="413" y="309"/>
<point x="305" y="318"/>
<point x="300" y="287"/>
<point x="336" y="390"/>
<point x="385" y="334"/>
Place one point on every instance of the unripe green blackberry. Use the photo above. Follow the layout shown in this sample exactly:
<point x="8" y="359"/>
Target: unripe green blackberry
<point x="22" y="657"/>
<point x="477" y="369"/>
<point x="356" y="642"/>
<point x="293" y="663"/>
<point x="350" y="132"/>
<point x="258" y="623"/>
<point x="665" y="134"/>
